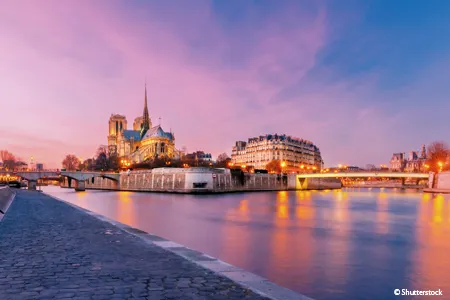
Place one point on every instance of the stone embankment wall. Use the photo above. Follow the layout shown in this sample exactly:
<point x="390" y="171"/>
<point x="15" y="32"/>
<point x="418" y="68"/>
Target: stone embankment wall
<point x="317" y="183"/>
<point x="198" y="180"/>
<point x="385" y="185"/>
<point x="6" y="197"/>
<point x="442" y="180"/>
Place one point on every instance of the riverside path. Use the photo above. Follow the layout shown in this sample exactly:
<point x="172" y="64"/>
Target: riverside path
<point x="51" y="250"/>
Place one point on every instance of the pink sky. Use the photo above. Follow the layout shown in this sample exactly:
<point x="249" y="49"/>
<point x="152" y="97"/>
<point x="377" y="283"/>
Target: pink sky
<point x="67" y="65"/>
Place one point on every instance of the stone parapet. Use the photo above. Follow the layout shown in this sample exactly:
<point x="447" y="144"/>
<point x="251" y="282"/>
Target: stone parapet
<point x="6" y="197"/>
<point x="203" y="180"/>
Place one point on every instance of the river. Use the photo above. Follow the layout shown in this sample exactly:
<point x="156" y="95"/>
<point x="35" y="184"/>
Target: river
<point x="342" y="244"/>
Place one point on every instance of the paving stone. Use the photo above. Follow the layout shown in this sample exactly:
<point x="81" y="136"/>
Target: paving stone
<point x="50" y="250"/>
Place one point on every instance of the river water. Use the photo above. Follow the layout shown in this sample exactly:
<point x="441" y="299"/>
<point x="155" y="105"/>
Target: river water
<point x="347" y="244"/>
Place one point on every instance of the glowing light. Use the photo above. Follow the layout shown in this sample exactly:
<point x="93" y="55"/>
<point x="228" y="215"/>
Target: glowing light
<point x="283" y="164"/>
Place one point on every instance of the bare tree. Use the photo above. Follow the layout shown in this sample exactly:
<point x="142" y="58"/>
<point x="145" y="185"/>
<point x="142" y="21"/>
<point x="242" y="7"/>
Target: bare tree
<point x="222" y="157"/>
<point x="8" y="159"/>
<point x="6" y="155"/>
<point x="274" y="166"/>
<point x="222" y="161"/>
<point x="371" y="167"/>
<point x="438" y="155"/>
<point x="70" y="162"/>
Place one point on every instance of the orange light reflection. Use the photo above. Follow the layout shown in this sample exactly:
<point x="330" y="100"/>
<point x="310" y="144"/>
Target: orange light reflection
<point x="125" y="209"/>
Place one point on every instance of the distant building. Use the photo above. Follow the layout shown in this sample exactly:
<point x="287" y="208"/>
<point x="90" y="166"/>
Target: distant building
<point x="297" y="154"/>
<point x="199" y="156"/>
<point x="414" y="162"/>
<point x="353" y="168"/>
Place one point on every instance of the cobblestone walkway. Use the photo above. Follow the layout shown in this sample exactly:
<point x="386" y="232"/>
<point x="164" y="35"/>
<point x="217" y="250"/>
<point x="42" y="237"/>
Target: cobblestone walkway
<point x="50" y="250"/>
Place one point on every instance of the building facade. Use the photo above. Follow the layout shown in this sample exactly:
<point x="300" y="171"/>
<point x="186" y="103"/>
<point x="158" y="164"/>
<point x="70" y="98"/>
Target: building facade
<point x="199" y="156"/>
<point x="144" y="142"/>
<point x="295" y="154"/>
<point x="414" y="162"/>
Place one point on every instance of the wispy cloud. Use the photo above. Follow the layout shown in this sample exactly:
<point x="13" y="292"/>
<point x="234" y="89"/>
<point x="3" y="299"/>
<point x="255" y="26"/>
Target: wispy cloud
<point x="68" y="66"/>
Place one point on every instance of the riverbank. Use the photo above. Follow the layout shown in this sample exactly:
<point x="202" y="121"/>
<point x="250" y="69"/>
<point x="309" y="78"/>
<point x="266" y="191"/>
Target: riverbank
<point x="195" y="181"/>
<point x="6" y="197"/>
<point x="387" y="186"/>
<point x="437" y="191"/>
<point x="51" y="249"/>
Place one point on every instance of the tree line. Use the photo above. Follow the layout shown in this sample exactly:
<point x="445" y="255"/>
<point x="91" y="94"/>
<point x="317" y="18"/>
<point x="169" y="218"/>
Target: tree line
<point x="107" y="160"/>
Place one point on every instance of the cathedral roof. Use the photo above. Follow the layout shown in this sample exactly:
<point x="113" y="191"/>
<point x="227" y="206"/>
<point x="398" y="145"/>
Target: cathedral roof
<point x="135" y="134"/>
<point x="157" y="131"/>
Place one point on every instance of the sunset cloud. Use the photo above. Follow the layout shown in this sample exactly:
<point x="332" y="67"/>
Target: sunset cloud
<point x="214" y="75"/>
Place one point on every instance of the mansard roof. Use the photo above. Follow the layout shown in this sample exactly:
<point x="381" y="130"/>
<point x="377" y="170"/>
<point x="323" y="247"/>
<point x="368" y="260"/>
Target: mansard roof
<point x="157" y="131"/>
<point x="282" y="137"/>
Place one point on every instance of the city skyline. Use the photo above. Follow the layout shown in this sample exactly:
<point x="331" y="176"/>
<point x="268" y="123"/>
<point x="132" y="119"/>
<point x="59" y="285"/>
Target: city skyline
<point x="361" y="81"/>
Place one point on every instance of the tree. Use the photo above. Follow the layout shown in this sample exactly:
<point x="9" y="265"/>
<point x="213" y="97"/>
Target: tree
<point x="113" y="158"/>
<point x="87" y="165"/>
<point x="370" y="167"/>
<point x="8" y="159"/>
<point x="5" y="155"/>
<point x="20" y="164"/>
<point x="222" y="161"/>
<point x="438" y="155"/>
<point x="222" y="157"/>
<point x="101" y="162"/>
<point x="70" y="162"/>
<point x="274" y="166"/>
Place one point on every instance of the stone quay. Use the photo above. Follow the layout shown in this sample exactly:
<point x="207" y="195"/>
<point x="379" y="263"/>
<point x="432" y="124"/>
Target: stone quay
<point x="195" y="180"/>
<point x="54" y="250"/>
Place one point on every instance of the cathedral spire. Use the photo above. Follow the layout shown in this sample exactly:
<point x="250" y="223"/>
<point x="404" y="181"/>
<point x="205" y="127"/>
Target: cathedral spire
<point x="145" y="117"/>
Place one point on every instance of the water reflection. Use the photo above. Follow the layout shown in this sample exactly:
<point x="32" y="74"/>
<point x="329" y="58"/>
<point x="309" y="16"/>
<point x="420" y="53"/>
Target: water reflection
<point x="349" y="244"/>
<point x="126" y="210"/>
<point x="382" y="214"/>
<point x="432" y="252"/>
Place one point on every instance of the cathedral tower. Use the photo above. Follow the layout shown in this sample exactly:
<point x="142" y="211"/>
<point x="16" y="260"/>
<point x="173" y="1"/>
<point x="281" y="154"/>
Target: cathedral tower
<point x="117" y="124"/>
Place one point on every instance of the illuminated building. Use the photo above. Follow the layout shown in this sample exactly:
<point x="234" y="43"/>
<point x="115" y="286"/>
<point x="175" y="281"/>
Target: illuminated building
<point x="294" y="153"/>
<point x="200" y="156"/>
<point x="144" y="142"/>
<point x="413" y="163"/>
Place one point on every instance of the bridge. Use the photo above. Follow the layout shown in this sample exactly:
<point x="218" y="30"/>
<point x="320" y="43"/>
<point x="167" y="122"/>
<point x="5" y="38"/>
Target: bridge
<point x="79" y="177"/>
<point x="302" y="179"/>
<point x="365" y="175"/>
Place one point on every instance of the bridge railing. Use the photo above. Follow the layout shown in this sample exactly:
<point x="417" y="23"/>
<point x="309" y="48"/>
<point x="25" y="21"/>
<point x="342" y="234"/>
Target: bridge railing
<point x="28" y="170"/>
